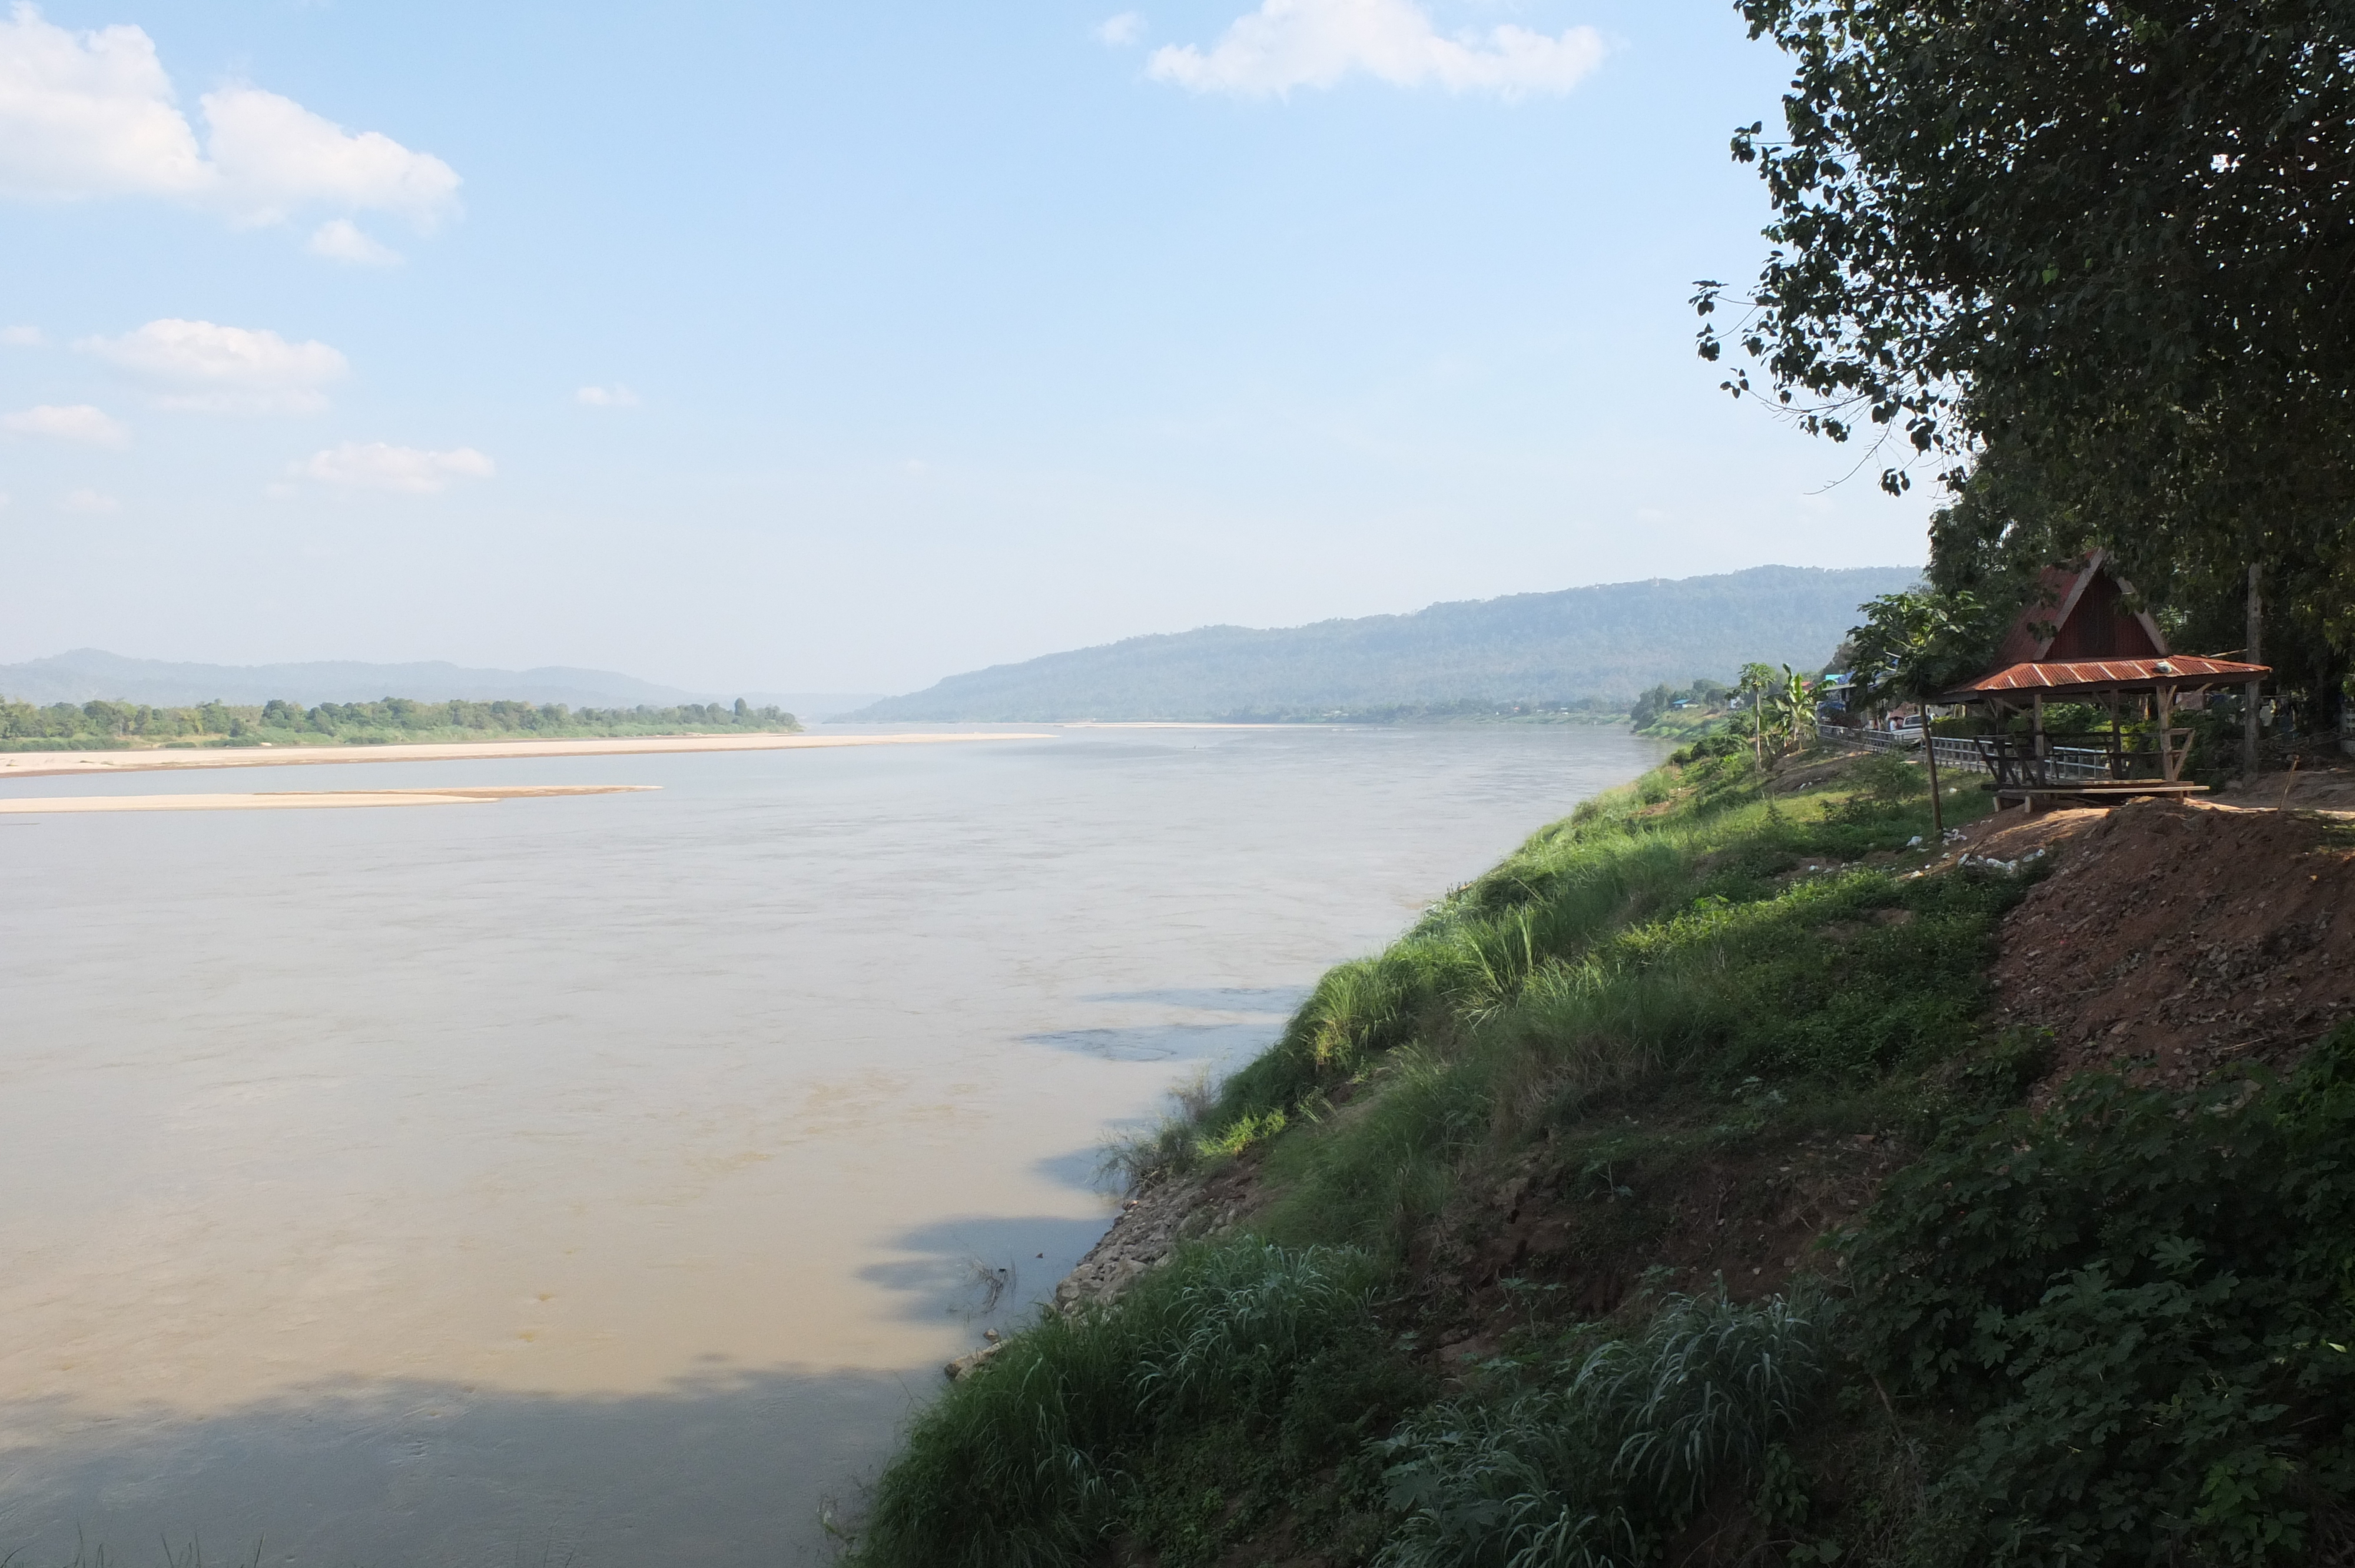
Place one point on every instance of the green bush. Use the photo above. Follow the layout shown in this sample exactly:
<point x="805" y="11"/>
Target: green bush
<point x="2142" y="1300"/>
<point x="1721" y="744"/>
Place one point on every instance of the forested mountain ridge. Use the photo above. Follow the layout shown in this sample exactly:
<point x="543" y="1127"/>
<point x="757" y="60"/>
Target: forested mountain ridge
<point x="1562" y="647"/>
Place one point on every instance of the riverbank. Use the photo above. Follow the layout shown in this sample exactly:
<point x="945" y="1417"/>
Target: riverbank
<point x="39" y="764"/>
<point x="1694" y="1184"/>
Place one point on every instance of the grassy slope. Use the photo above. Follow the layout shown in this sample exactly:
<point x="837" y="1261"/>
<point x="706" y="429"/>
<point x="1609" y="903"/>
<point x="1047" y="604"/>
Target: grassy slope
<point x="1533" y="1274"/>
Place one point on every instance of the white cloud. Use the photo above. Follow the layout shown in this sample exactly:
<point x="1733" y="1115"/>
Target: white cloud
<point x="406" y="470"/>
<point x="1287" y="44"/>
<point x="72" y="422"/>
<point x="91" y="503"/>
<point x="341" y="240"/>
<point x="274" y="155"/>
<point x="94" y="114"/>
<point x="615" y="397"/>
<point x="22" y="336"/>
<point x="1119" y="32"/>
<point x="224" y="369"/>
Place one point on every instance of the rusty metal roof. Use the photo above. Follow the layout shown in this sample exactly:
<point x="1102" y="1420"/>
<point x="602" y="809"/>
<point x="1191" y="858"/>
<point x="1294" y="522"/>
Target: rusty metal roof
<point x="2091" y="675"/>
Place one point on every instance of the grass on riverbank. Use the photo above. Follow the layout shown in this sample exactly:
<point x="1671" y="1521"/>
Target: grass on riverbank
<point x="1558" y="1160"/>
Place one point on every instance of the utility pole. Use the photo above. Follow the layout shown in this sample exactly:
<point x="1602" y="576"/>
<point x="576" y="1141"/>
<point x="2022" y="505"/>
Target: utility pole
<point x="2254" y="654"/>
<point x="1930" y="761"/>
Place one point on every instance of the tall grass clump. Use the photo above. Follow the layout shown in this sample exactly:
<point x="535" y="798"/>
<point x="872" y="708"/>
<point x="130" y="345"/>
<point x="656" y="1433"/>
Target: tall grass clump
<point x="1596" y="1467"/>
<point x="1045" y="1451"/>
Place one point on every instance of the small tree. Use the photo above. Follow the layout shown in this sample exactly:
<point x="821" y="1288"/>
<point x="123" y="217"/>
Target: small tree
<point x="1794" y="706"/>
<point x="1913" y="647"/>
<point x="1754" y="682"/>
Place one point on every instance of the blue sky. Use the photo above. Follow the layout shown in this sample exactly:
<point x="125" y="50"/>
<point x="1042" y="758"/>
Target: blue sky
<point x="816" y="346"/>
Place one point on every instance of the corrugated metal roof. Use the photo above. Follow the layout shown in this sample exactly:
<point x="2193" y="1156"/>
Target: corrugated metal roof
<point x="2108" y="674"/>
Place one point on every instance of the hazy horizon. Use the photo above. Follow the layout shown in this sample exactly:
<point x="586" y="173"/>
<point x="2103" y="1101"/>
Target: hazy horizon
<point x="845" y="350"/>
<point x="655" y="692"/>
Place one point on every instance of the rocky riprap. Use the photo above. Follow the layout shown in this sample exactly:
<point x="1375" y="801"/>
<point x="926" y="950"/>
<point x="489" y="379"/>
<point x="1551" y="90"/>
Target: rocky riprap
<point x="1151" y="1224"/>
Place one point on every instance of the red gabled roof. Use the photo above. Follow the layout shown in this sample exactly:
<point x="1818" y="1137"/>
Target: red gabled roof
<point x="2077" y="613"/>
<point x="2084" y="676"/>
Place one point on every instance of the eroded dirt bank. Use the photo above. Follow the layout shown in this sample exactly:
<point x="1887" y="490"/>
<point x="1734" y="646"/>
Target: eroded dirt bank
<point x="2182" y="936"/>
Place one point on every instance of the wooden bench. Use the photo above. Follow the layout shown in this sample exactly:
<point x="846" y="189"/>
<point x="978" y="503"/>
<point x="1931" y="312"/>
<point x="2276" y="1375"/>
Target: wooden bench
<point x="2091" y="792"/>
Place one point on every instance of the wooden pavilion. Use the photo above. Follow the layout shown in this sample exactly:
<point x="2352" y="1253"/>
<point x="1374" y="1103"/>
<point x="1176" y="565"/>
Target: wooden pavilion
<point x="2081" y="640"/>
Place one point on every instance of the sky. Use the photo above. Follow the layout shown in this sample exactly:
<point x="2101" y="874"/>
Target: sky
<point x="803" y="346"/>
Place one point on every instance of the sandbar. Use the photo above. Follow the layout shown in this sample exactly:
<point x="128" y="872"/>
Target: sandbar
<point x="306" y="800"/>
<point x="36" y="764"/>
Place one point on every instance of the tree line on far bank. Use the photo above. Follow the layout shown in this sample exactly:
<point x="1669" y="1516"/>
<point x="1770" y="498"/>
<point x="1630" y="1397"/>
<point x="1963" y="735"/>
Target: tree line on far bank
<point x="100" y="725"/>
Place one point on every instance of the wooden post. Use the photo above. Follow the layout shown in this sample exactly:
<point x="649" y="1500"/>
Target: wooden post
<point x="2162" y="712"/>
<point x="2255" y="654"/>
<point x="1930" y="761"/>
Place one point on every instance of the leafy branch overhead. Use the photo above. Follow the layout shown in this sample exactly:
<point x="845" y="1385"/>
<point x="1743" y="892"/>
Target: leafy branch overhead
<point x="2112" y="242"/>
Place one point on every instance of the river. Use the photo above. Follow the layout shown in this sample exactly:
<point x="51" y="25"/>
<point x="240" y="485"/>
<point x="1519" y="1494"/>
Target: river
<point x="603" y="1180"/>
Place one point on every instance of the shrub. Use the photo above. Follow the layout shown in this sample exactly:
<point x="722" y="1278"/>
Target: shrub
<point x="2141" y="1299"/>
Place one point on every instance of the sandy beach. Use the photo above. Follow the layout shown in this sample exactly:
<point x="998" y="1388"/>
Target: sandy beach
<point x="38" y="764"/>
<point x="306" y="800"/>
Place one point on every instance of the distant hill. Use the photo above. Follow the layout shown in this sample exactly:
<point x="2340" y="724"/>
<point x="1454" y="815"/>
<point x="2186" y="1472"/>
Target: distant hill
<point x="1609" y="641"/>
<point x="91" y="673"/>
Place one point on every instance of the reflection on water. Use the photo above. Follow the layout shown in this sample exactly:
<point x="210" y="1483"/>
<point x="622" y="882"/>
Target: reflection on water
<point x="603" y="1178"/>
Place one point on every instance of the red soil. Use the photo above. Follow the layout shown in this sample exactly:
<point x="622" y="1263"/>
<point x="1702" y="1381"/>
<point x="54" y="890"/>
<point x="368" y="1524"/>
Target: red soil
<point x="2182" y="936"/>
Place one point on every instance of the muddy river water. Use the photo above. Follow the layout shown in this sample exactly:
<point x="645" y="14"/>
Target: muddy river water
<point x="601" y="1180"/>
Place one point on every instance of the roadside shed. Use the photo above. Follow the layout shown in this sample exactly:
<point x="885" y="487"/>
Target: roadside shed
<point x="2081" y="640"/>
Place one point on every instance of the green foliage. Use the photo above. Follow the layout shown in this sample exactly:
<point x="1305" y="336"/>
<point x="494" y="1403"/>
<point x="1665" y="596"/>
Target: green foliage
<point x="1597" y="1464"/>
<point x="1882" y="782"/>
<point x="2142" y="1299"/>
<point x="1915" y="646"/>
<point x="1670" y="710"/>
<point x="1236" y="1366"/>
<point x="100" y="725"/>
<point x="2079" y="249"/>
<point x="1705" y="748"/>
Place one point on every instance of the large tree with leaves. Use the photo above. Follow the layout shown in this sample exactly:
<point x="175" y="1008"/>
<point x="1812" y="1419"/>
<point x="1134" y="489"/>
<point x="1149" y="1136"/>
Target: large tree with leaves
<point x="2104" y="250"/>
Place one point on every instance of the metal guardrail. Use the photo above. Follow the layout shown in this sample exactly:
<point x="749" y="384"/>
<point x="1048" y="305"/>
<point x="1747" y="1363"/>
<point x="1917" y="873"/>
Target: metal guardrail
<point x="1953" y="753"/>
<point x="1961" y="755"/>
<point x="2077" y="762"/>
